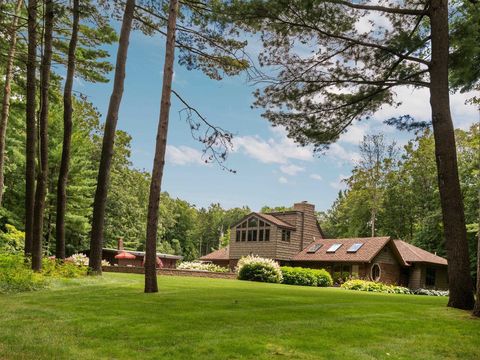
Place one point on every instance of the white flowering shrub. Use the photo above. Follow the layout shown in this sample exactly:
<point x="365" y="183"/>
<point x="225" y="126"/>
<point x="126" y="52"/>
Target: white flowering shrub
<point x="197" y="265"/>
<point x="78" y="259"/>
<point x="105" y="263"/>
<point x="255" y="268"/>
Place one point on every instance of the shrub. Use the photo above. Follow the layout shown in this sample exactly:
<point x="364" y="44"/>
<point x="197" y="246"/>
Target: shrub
<point x="59" y="269"/>
<point x="298" y="276"/>
<point x="429" y="292"/>
<point x="255" y="268"/>
<point x="78" y="259"/>
<point x="12" y="240"/>
<point x="323" y="278"/>
<point x="373" y="286"/>
<point x="306" y="277"/>
<point x="16" y="275"/>
<point x="197" y="265"/>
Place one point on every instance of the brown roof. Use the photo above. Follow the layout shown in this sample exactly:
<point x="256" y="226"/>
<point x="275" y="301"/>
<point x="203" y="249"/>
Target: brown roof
<point x="370" y="248"/>
<point x="220" y="254"/>
<point x="276" y="221"/>
<point x="268" y="218"/>
<point x="411" y="254"/>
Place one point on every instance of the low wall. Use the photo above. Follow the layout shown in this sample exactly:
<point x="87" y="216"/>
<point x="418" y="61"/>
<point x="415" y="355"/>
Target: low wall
<point x="171" y="272"/>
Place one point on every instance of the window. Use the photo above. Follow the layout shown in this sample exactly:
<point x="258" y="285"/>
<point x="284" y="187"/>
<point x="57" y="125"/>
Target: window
<point x="375" y="272"/>
<point x="286" y="235"/>
<point x="354" y="248"/>
<point x="430" y="277"/>
<point x="253" y="229"/>
<point x="334" y="248"/>
<point x="314" y="248"/>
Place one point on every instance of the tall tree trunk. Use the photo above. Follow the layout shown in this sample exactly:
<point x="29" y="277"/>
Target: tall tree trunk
<point x="7" y="93"/>
<point x="159" y="161"/>
<point x="476" y="309"/>
<point x="30" y="147"/>
<point x="42" y="177"/>
<point x="96" y="238"/>
<point x="460" y="281"/>
<point x="67" y="137"/>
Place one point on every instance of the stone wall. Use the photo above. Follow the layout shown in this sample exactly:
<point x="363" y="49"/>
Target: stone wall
<point x="170" y="272"/>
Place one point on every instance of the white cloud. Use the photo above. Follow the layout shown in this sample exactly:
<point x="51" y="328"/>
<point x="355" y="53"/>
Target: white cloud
<point x="183" y="155"/>
<point x="338" y="152"/>
<point x="416" y="103"/>
<point x="282" y="180"/>
<point x="316" y="177"/>
<point x="355" y="133"/>
<point x="277" y="149"/>
<point x="291" y="169"/>
<point x="339" y="184"/>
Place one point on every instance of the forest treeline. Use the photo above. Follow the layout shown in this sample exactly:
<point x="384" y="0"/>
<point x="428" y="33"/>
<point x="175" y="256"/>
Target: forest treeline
<point x="393" y="191"/>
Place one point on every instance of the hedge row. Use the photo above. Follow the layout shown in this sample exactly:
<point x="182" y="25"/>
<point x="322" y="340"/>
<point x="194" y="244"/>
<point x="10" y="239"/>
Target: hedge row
<point x="255" y="268"/>
<point x="306" y="277"/>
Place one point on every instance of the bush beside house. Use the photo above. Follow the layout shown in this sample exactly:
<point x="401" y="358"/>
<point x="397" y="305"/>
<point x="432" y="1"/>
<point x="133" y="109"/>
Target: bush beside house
<point x="306" y="277"/>
<point x="255" y="268"/>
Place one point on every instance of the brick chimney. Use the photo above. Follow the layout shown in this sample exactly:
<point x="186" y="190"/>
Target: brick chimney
<point x="120" y="243"/>
<point x="305" y="207"/>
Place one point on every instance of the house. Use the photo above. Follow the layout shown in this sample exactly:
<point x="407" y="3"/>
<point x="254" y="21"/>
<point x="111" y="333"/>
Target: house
<point x="295" y="238"/>
<point x="122" y="257"/>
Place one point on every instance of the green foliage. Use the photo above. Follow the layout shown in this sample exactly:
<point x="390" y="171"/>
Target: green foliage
<point x="306" y="277"/>
<point x="16" y="275"/>
<point x="372" y="286"/>
<point x="254" y="268"/>
<point x="12" y="240"/>
<point x="58" y="269"/>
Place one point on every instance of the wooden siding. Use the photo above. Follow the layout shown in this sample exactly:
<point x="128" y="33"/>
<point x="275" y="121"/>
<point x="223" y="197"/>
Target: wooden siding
<point x="260" y="248"/>
<point x="390" y="268"/>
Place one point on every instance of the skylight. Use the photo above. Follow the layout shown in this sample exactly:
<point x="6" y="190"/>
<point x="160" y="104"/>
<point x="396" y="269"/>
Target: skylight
<point x="314" y="248"/>
<point x="333" y="248"/>
<point x="354" y="248"/>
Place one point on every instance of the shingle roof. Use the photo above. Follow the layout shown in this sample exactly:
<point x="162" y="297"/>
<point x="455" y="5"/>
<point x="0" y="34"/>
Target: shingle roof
<point x="269" y="218"/>
<point x="411" y="253"/>
<point x="220" y="254"/>
<point x="276" y="221"/>
<point x="370" y="248"/>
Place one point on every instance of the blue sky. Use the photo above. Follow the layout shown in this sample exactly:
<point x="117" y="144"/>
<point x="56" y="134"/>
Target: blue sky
<point x="271" y="169"/>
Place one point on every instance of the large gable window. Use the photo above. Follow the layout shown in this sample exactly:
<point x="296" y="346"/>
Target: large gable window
<point x="252" y="229"/>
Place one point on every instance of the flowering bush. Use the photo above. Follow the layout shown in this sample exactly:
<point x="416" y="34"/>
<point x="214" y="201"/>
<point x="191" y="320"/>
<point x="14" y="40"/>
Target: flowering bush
<point x="78" y="259"/>
<point x="255" y="268"/>
<point x="373" y="286"/>
<point x="106" y="263"/>
<point x="429" y="292"/>
<point x="197" y="265"/>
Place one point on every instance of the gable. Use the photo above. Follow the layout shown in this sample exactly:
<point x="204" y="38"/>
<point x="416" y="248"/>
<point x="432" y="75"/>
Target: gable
<point x="266" y="218"/>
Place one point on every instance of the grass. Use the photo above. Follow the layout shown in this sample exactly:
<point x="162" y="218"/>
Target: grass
<point x="196" y="318"/>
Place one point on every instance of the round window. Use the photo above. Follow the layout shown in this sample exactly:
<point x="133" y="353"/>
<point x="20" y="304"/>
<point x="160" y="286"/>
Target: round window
<point x="375" y="272"/>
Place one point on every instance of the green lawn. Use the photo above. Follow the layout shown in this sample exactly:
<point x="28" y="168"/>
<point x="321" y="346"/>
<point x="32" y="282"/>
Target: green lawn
<point x="192" y="318"/>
